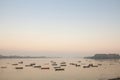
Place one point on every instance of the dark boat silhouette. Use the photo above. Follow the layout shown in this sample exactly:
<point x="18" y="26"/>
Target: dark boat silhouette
<point x="37" y="66"/>
<point x="3" y="67"/>
<point x="21" y="62"/>
<point x="14" y="64"/>
<point x="59" y="69"/>
<point x="77" y="65"/>
<point x="18" y="67"/>
<point x="45" y="68"/>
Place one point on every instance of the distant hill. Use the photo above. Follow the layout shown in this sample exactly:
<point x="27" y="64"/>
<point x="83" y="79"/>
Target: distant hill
<point x="105" y="56"/>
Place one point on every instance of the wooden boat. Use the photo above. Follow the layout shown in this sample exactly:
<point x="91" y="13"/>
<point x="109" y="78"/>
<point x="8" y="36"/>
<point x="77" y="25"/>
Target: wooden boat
<point x="79" y="61"/>
<point x="14" y="64"/>
<point x="37" y="66"/>
<point x="72" y="63"/>
<point x="28" y="65"/>
<point x="32" y="64"/>
<point x="21" y="62"/>
<point x="91" y="65"/>
<point x="52" y="61"/>
<point x="63" y="65"/>
<point x="100" y="64"/>
<point x="77" y="65"/>
<point x="3" y="67"/>
<point x="86" y="66"/>
<point x="45" y="68"/>
<point x="18" y="67"/>
<point x="59" y="69"/>
<point x="54" y="64"/>
<point x="94" y="66"/>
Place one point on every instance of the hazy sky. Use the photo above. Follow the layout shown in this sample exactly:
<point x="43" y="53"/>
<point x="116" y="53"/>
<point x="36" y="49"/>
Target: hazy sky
<point x="60" y="26"/>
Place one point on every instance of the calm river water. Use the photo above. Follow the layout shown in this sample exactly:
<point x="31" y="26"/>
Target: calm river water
<point x="106" y="69"/>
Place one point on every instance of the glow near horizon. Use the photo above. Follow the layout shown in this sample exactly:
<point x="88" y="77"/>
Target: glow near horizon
<point x="78" y="26"/>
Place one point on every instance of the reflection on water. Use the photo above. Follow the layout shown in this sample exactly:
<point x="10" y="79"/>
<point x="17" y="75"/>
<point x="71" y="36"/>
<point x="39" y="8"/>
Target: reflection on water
<point x="58" y="69"/>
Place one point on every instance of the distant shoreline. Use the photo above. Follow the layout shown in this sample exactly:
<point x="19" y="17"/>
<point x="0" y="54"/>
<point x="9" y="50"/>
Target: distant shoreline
<point x="104" y="56"/>
<point x="25" y="57"/>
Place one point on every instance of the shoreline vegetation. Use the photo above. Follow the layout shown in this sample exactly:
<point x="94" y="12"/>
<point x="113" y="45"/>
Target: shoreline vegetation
<point x="104" y="56"/>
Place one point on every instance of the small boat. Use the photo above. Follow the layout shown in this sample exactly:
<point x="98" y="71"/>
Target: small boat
<point x="45" y="68"/>
<point x="54" y="64"/>
<point x="32" y="64"/>
<point x="52" y="61"/>
<point x="28" y="65"/>
<point x="14" y="64"/>
<point x="18" y="67"/>
<point x="86" y="66"/>
<point x="99" y="64"/>
<point x="94" y="66"/>
<point x="21" y="62"/>
<point x="59" y="69"/>
<point x="77" y="65"/>
<point x="3" y="67"/>
<point x="72" y="63"/>
<point x="90" y="65"/>
<point x="79" y="61"/>
<point x="37" y="66"/>
<point x="63" y="65"/>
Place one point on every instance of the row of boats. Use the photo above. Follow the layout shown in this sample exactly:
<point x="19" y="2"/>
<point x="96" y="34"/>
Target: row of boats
<point x="56" y="66"/>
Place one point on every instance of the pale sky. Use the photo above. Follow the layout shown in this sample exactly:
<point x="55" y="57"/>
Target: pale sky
<point x="57" y="27"/>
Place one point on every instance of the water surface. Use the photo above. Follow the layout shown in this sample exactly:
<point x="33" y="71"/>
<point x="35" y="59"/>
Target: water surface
<point x="108" y="69"/>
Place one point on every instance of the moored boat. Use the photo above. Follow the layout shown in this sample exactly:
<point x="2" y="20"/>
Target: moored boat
<point x="45" y="68"/>
<point x="37" y="66"/>
<point x="18" y="67"/>
<point x="59" y="69"/>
